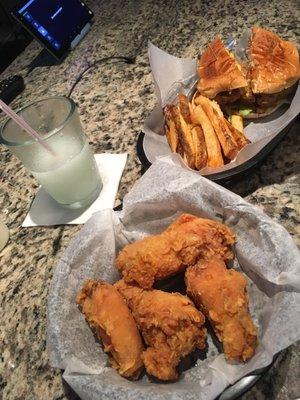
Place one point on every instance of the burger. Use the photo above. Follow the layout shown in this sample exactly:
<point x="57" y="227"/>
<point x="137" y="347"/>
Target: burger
<point x="252" y="88"/>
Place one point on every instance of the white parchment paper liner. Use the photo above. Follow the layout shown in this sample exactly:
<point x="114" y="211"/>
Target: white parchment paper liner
<point x="265" y="251"/>
<point x="172" y="74"/>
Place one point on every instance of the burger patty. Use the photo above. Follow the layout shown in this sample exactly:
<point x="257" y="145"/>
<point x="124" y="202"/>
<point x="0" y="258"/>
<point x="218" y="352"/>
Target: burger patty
<point x="271" y="99"/>
<point x="245" y="98"/>
<point x="228" y="97"/>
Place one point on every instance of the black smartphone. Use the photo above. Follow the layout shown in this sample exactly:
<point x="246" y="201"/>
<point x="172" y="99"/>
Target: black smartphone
<point x="56" y="24"/>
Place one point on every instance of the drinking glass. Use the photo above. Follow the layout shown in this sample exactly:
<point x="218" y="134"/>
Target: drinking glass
<point x="61" y="161"/>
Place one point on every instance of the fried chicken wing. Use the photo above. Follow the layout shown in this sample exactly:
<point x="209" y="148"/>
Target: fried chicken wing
<point x="221" y="294"/>
<point x="170" y="324"/>
<point x="108" y="315"/>
<point x="183" y="243"/>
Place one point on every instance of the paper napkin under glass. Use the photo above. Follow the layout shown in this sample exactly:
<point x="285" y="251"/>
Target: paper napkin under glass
<point x="44" y="211"/>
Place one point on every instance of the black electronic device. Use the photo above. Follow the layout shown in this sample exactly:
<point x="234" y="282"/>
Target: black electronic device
<point x="58" y="24"/>
<point x="10" y="88"/>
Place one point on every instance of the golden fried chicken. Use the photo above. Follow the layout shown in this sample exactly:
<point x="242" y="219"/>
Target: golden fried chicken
<point x="170" y="324"/>
<point x="221" y="294"/>
<point x="108" y="315"/>
<point x="183" y="243"/>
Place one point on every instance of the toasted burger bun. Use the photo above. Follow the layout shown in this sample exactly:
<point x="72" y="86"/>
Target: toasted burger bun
<point x="268" y="81"/>
<point x="218" y="71"/>
<point x="275" y="62"/>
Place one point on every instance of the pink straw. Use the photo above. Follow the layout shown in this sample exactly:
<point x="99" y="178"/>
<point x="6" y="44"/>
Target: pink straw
<point x="24" y="125"/>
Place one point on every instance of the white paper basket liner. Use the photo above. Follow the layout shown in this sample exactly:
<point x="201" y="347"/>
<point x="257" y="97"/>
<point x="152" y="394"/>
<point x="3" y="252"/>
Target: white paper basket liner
<point x="264" y="249"/>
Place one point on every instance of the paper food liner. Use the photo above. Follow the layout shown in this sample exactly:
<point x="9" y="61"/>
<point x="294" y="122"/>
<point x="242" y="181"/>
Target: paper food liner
<point x="174" y="75"/>
<point x="264" y="250"/>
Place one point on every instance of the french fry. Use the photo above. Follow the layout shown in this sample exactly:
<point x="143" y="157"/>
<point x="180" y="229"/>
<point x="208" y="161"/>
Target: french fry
<point x="170" y="129"/>
<point x="184" y="107"/>
<point x="214" y="154"/>
<point x="229" y="145"/>
<point x="199" y="132"/>
<point x="184" y="137"/>
<point x="239" y="137"/>
<point x="181" y="152"/>
<point x="237" y="122"/>
<point x="171" y="138"/>
<point x="216" y="106"/>
<point x="184" y="158"/>
<point x="194" y="102"/>
<point x="199" y="146"/>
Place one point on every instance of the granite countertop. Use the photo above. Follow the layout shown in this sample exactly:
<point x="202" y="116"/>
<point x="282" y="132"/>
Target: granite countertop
<point x="113" y="101"/>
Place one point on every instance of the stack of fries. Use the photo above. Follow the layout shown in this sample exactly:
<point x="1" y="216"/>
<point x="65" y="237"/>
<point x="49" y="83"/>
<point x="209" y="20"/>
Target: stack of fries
<point x="200" y="133"/>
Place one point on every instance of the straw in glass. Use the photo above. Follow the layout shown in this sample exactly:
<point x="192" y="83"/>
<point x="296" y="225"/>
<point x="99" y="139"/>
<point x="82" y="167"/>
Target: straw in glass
<point x="24" y="125"/>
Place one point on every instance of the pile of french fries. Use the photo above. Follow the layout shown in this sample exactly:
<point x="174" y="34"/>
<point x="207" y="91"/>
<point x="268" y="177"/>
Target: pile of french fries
<point x="200" y="133"/>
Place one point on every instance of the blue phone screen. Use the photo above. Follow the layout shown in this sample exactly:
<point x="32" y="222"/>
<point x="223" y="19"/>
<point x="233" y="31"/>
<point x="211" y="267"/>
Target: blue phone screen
<point x="57" y="21"/>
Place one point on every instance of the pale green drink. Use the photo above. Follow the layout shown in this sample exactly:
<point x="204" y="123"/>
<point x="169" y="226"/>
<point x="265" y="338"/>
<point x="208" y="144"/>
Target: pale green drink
<point x="68" y="172"/>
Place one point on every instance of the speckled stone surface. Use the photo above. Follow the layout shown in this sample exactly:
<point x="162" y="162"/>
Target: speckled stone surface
<point x="114" y="100"/>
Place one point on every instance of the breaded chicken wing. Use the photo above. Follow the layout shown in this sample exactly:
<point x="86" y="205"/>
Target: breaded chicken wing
<point x="183" y="243"/>
<point x="108" y="315"/>
<point x="170" y="324"/>
<point x="221" y="294"/>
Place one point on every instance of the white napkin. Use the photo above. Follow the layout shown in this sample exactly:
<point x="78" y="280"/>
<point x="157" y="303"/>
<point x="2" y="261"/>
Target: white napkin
<point x="45" y="211"/>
